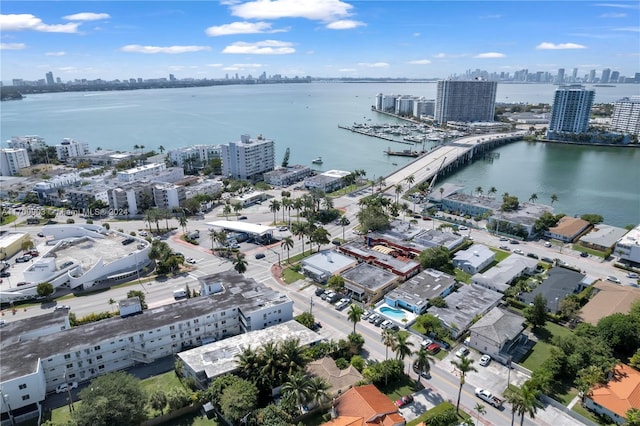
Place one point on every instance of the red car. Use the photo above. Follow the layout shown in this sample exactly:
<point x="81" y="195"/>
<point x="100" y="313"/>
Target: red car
<point x="434" y="348"/>
<point x="407" y="399"/>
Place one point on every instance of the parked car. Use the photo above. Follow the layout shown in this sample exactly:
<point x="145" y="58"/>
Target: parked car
<point x="462" y="351"/>
<point x="366" y="315"/>
<point x="434" y="348"/>
<point x="513" y="242"/>
<point x="484" y="360"/>
<point x="584" y="254"/>
<point x="504" y="239"/>
<point x="613" y="279"/>
<point x="518" y="251"/>
<point x="373" y="318"/>
<point x="532" y="255"/>
<point x="463" y="228"/>
<point x="547" y="244"/>
<point x="505" y="248"/>
<point x="143" y="233"/>
<point x="40" y="234"/>
<point x="378" y="321"/>
<point x="64" y="387"/>
<point x="5" y="274"/>
<point x="319" y="291"/>
<point x="23" y="259"/>
<point x="546" y="259"/>
<point x="62" y="308"/>
<point x="633" y="275"/>
<point x="405" y="400"/>
<point x="191" y="260"/>
<point x="127" y="241"/>
<point x="283" y="228"/>
<point x="242" y="218"/>
<point x="260" y="256"/>
<point x="386" y="324"/>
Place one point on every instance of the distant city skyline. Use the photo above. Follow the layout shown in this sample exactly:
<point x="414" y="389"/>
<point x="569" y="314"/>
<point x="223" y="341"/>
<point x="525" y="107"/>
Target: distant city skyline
<point x="319" y="38"/>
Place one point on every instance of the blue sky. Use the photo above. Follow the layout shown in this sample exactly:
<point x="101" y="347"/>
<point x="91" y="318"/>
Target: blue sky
<point x="322" y="38"/>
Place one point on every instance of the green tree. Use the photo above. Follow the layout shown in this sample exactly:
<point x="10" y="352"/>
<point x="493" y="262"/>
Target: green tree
<point x="287" y="244"/>
<point x="158" y="400"/>
<point x="238" y="399"/>
<point x="320" y="236"/>
<point x="480" y="409"/>
<point x="621" y="332"/>
<point x="113" y="399"/>
<point x="634" y="361"/>
<point x="528" y="402"/>
<point x="536" y="314"/>
<point x="344" y="221"/>
<point x="463" y="365"/>
<point x="318" y="390"/>
<point x="388" y="338"/>
<point x="402" y="346"/>
<point x="182" y="221"/>
<point x="273" y="415"/>
<point x="533" y="197"/>
<point x="430" y="323"/>
<point x="226" y="210"/>
<point x="354" y="315"/>
<point x="554" y="198"/>
<point x="633" y="417"/>
<point x="274" y="206"/>
<point x="336" y="282"/>
<point x="307" y="319"/>
<point x="298" y="385"/>
<point x="45" y="289"/>
<point x="592" y="218"/>
<point x="240" y="263"/>
<point x="434" y="257"/>
<point x="285" y="160"/>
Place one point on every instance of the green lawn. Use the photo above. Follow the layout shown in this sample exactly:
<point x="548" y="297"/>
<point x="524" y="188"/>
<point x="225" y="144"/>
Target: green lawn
<point x="462" y="276"/>
<point x="578" y="408"/>
<point x="443" y="406"/>
<point x="396" y="389"/>
<point x="542" y="348"/>
<point x="290" y="276"/>
<point x="500" y="255"/>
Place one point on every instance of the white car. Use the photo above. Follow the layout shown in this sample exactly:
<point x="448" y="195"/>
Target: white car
<point x="613" y="279"/>
<point x="191" y="260"/>
<point x="485" y="360"/>
<point x="385" y="324"/>
<point x="463" y="228"/>
<point x="462" y="351"/>
<point x="518" y="251"/>
<point x="283" y="228"/>
<point x="632" y="275"/>
<point x="425" y="343"/>
<point x="66" y="387"/>
<point x="143" y="233"/>
<point x="547" y="244"/>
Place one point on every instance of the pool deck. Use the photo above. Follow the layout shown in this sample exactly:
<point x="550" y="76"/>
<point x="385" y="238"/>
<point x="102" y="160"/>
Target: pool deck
<point x="409" y="316"/>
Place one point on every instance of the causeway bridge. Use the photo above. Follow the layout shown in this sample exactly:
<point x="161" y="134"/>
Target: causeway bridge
<point x="457" y="152"/>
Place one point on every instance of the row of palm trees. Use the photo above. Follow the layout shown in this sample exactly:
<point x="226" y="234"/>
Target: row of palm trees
<point x="492" y="191"/>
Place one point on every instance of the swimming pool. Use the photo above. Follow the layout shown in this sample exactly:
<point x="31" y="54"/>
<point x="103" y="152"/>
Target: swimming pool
<point x="394" y="313"/>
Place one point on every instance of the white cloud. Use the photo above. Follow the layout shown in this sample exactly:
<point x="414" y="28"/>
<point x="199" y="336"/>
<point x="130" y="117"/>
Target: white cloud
<point x="613" y="15"/>
<point x="12" y="46"/>
<point x="214" y="65"/>
<point x="87" y="16"/>
<point x="26" y="22"/>
<point x="136" y="48"/>
<point x="248" y="65"/>
<point x="443" y="55"/>
<point x="241" y="28"/>
<point x="56" y="53"/>
<point x="316" y="10"/>
<point x="490" y="55"/>
<point x="619" y="6"/>
<point x="560" y="46"/>
<point x="345" y="24"/>
<point x="266" y="47"/>
<point x="420" y="62"/>
<point x="495" y="16"/>
<point x="373" y="64"/>
<point x="630" y="29"/>
<point x="347" y="70"/>
<point x="416" y="34"/>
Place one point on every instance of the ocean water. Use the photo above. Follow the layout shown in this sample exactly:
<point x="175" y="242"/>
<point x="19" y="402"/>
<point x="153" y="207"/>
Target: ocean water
<point x="305" y="118"/>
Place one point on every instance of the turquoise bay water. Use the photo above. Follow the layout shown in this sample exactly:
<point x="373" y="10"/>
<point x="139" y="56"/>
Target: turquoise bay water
<point x="304" y="118"/>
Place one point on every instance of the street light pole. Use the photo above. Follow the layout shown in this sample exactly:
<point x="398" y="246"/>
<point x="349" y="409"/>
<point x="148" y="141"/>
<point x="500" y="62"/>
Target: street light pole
<point x="4" y="399"/>
<point x="311" y="305"/>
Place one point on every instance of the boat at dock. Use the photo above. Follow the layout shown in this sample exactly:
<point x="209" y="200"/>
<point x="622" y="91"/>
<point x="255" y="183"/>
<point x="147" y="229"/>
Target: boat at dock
<point x="317" y="160"/>
<point x="404" y="153"/>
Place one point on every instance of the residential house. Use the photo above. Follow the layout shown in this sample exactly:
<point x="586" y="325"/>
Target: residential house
<point x="474" y="259"/>
<point x="364" y="406"/>
<point x="619" y="395"/>
<point x="628" y="247"/>
<point x="328" y="181"/>
<point x="568" y="229"/>
<point x="608" y="299"/>
<point x="560" y="283"/>
<point x="501" y="276"/>
<point x="497" y="333"/>
<point x="387" y="258"/>
<point x="339" y="380"/>
<point x="368" y="283"/>
<point x="603" y="237"/>
<point x="321" y="266"/>
<point x="415" y="293"/>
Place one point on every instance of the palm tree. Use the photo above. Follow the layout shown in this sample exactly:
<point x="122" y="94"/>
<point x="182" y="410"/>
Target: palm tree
<point x="354" y="315"/>
<point x="248" y="362"/>
<point x="554" y="198"/>
<point x="513" y="397"/>
<point x="402" y="346"/>
<point x="236" y="208"/>
<point x="481" y="410"/>
<point x="298" y="204"/>
<point x="529" y="402"/>
<point x="298" y="384"/>
<point x="441" y="192"/>
<point x="492" y="191"/>
<point x="182" y="220"/>
<point x="226" y="210"/>
<point x="320" y="236"/>
<point x="299" y="230"/>
<point x="318" y="390"/>
<point x="161" y="149"/>
<point x="240" y="264"/>
<point x="533" y="197"/>
<point x="464" y="365"/>
<point x="291" y="356"/>
<point x="343" y="222"/>
<point x="423" y="362"/>
<point x="269" y="374"/>
<point x="479" y="190"/>
<point x="410" y="179"/>
<point x="274" y="206"/>
<point x="287" y="243"/>
<point x="287" y="204"/>
<point x="398" y="190"/>
<point x="388" y="338"/>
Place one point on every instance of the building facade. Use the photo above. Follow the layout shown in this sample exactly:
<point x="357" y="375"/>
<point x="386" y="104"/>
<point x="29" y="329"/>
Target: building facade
<point x="137" y="173"/>
<point x="626" y="115"/>
<point x="472" y="100"/>
<point x="286" y="176"/>
<point x="27" y="142"/>
<point x="571" y="109"/>
<point x="12" y="160"/>
<point x="69" y="149"/>
<point x="249" y="158"/>
<point x="199" y="155"/>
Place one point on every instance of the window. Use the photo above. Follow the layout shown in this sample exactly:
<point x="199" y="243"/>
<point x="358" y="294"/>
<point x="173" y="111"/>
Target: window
<point x="97" y="348"/>
<point x="22" y="386"/>
<point x="69" y="365"/>
<point x="67" y="356"/>
<point x="101" y="367"/>
<point x="72" y="376"/>
<point x="25" y="397"/>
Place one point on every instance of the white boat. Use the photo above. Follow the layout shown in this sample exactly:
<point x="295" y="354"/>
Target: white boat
<point x="317" y="160"/>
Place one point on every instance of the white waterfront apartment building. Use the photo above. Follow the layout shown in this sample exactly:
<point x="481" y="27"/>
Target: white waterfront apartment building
<point x="70" y="148"/>
<point x="465" y="100"/>
<point x="199" y="153"/>
<point x="12" y="160"/>
<point x="137" y="173"/>
<point x="27" y="142"/>
<point x="571" y="109"/>
<point x="626" y="115"/>
<point x="248" y="158"/>
<point x="44" y="351"/>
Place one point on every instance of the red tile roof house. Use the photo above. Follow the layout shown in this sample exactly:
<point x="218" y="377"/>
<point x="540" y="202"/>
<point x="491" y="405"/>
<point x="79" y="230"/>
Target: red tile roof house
<point x="364" y="406"/>
<point x="620" y="394"/>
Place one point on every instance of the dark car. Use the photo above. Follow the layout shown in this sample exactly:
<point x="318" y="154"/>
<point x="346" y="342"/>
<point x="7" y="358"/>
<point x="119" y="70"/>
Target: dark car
<point x="514" y="242"/>
<point x="5" y="274"/>
<point x="319" y="291"/>
<point x="584" y="254"/>
<point x="532" y="255"/>
<point x="127" y="241"/>
<point x="260" y="256"/>
<point x="40" y="234"/>
<point x="242" y="218"/>
<point x="378" y="321"/>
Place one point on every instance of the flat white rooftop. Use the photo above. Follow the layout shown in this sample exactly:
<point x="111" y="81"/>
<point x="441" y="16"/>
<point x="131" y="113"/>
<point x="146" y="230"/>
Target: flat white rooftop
<point x="250" y="228"/>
